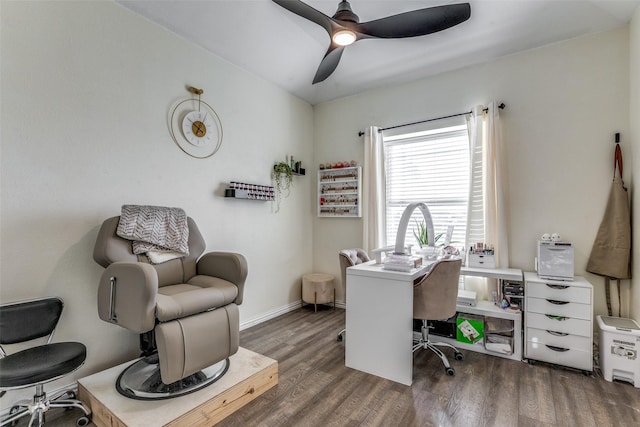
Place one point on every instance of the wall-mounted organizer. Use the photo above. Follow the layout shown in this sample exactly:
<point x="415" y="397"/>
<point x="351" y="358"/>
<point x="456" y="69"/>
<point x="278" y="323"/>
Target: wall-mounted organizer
<point x="339" y="192"/>
<point x="241" y="190"/>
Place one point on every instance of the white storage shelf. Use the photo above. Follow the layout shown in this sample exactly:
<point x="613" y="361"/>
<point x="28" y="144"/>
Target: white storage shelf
<point x="339" y="192"/>
<point x="488" y="309"/>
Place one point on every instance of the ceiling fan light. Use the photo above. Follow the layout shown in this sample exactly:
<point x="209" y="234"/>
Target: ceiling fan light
<point x="344" y="37"/>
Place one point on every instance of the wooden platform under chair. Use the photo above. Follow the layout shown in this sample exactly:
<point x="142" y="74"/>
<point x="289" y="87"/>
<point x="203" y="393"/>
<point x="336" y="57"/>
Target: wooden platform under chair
<point x="249" y="376"/>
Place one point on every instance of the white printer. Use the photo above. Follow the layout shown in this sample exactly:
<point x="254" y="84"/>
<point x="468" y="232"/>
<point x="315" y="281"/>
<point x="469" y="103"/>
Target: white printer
<point x="555" y="260"/>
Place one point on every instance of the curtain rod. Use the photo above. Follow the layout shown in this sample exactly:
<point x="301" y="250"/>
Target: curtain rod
<point x="501" y="106"/>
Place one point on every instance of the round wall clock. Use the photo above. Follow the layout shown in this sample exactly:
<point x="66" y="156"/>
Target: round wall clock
<point x="195" y="127"/>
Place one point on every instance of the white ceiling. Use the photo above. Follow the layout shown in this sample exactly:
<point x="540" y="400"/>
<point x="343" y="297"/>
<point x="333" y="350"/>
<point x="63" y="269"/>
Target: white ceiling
<point x="285" y="49"/>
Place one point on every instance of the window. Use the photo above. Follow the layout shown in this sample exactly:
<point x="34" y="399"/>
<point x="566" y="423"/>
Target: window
<point x="430" y="166"/>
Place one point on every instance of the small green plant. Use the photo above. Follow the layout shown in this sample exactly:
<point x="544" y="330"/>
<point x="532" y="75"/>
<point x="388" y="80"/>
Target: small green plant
<point x="282" y="178"/>
<point x="422" y="236"/>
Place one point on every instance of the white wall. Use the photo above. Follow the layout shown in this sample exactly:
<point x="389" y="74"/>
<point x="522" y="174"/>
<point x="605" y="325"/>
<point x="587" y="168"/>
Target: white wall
<point x="634" y="110"/>
<point x="564" y="104"/>
<point x="86" y="90"/>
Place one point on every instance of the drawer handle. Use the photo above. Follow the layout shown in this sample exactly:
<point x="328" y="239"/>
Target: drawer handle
<point x="557" y="286"/>
<point x="557" y="334"/>
<point x="558" y="349"/>
<point x="560" y="318"/>
<point x="556" y="302"/>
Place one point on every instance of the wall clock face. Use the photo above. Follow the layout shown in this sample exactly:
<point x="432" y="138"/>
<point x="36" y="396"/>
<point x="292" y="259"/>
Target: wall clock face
<point x="195" y="128"/>
<point x="198" y="128"/>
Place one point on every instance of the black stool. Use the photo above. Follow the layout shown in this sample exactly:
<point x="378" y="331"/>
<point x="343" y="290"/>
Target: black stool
<point x="35" y="366"/>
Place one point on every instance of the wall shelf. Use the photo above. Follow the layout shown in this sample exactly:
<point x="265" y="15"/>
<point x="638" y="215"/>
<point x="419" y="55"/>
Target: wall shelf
<point x="240" y="190"/>
<point x="339" y="192"/>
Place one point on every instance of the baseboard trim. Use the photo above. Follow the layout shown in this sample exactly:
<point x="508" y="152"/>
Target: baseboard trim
<point x="278" y="312"/>
<point x="270" y="315"/>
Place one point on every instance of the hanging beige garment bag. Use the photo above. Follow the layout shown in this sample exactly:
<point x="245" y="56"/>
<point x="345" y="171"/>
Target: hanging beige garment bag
<point x="611" y="251"/>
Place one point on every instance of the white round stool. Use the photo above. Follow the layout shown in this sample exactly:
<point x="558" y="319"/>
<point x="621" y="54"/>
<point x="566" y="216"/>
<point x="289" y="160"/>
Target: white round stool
<point x="318" y="288"/>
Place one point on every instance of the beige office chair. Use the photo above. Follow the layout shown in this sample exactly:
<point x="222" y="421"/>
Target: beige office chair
<point x="185" y="310"/>
<point x="434" y="298"/>
<point x="349" y="258"/>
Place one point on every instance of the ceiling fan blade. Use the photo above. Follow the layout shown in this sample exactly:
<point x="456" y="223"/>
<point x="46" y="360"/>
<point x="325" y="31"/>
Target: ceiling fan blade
<point x="307" y="12"/>
<point x="416" y="23"/>
<point x="329" y="63"/>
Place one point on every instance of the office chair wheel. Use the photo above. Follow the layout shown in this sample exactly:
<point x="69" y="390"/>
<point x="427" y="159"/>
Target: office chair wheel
<point x="450" y="371"/>
<point x="459" y="356"/>
<point x="83" y="421"/>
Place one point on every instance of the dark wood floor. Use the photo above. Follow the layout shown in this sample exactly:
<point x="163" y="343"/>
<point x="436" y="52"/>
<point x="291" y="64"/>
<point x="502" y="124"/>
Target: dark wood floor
<point x="316" y="389"/>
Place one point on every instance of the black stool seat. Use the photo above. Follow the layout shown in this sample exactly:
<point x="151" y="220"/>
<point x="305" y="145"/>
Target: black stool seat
<point x="40" y="364"/>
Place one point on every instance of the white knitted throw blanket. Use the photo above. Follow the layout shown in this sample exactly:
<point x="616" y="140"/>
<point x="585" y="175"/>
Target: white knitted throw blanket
<point x="154" y="228"/>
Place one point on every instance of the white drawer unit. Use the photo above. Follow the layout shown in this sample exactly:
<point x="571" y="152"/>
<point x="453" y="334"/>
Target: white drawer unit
<point x="481" y="261"/>
<point x="562" y="308"/>
<point x="559" y="339"/>
<point x="563" y="324"/>
<point x="560" y="355"/>
<point x="559" y="321"/>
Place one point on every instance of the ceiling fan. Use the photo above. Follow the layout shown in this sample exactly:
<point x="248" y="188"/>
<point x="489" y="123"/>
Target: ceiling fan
<point x="345" y="28"/>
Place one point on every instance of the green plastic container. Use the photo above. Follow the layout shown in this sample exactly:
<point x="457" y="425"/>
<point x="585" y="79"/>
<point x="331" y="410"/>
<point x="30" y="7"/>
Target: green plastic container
<point x="469" y="328"/>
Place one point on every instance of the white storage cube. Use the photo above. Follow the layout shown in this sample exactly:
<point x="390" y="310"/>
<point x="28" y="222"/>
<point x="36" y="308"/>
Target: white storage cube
<point x="619" y="349"/>
<point x="481" y="261"/>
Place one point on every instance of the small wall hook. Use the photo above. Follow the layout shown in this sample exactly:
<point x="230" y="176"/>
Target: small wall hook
<point x="195" y="90"/>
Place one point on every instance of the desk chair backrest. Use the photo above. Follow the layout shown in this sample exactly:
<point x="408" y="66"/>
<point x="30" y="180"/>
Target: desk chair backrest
<point x="435" y="295"/>
<point x="349" y="258"/>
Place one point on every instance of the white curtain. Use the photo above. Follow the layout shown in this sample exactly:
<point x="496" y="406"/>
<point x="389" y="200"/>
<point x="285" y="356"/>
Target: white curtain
<point x="475" y="208"/>
<point x="495" y="186"/>
<point x="486" y="216"/>
<point x="373" y="191"/>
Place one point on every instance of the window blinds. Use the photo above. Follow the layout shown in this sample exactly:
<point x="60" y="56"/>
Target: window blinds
<point x="432" y="167"/>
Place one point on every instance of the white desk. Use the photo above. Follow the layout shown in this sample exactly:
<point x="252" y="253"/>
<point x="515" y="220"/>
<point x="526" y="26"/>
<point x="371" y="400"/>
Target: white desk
<point x="380" y="321"/>
<point x="379" y="318"/>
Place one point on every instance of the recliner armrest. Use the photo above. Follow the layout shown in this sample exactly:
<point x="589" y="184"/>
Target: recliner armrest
<point x="225" y="265"/>
<point x="127" y="295"/>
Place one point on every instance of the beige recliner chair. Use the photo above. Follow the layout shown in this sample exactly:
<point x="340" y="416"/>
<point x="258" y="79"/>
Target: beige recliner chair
<point x="185" y="310"/>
